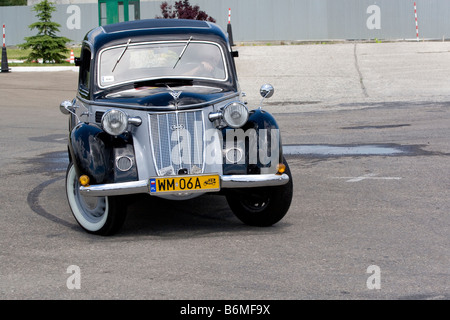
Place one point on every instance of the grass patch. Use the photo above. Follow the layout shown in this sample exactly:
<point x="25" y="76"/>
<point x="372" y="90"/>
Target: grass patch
<point x="15" y="53"/>
<point x="34" y="64"/>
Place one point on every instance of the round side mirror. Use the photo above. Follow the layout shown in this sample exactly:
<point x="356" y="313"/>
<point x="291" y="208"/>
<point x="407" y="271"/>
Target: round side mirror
<point x="65" y="106"/>
<point x="266" y="91"/>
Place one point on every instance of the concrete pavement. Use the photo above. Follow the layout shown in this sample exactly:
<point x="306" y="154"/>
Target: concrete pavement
<point x="349" y="212"/>
<point x="315" y="76"/>
<point x="345" y="75"/>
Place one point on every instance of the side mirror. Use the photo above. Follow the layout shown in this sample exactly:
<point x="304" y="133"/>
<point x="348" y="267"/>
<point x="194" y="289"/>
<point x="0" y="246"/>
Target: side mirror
<point x="66" y="107"/>
<point x="77" y="61"/>
<point x="266" y="91"/>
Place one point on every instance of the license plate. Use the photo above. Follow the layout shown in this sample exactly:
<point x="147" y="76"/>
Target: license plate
<point x="176" y="184"/>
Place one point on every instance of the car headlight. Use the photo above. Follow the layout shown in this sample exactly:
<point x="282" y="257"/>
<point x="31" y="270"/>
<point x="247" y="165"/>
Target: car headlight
<point x="235" y="114"/>
<point x="114" y="122"/>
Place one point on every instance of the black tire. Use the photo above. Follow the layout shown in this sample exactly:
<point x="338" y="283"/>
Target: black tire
<point x="97" y="215"/>
<point x="262" y="207"/>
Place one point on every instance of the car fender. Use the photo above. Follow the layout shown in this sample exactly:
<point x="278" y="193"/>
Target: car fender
<point x="94" y="153"/>
<point x="261" y="127"/>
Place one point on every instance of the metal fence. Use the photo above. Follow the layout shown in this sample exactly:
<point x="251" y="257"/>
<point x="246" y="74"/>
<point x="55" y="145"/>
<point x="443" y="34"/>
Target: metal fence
<point x="270" y="20"/>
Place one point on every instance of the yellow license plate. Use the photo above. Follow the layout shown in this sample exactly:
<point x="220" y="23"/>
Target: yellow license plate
<point x="202" y="183"/>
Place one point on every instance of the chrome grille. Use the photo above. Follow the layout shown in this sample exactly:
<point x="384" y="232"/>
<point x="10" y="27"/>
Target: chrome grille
<point x="177" y="140"/>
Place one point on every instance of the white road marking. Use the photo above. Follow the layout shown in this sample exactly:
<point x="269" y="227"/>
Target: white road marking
<point x="370" y="176"/>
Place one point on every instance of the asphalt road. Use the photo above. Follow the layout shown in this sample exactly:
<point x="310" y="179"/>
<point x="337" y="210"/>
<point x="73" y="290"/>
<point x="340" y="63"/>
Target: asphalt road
<point x="366" y="128"/>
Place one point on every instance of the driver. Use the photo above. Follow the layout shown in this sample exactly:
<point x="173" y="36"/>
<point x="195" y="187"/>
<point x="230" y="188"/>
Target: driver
<point x="209" y="63"/>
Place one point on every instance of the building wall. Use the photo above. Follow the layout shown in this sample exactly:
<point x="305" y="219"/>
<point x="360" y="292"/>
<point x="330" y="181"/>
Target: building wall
<point x="33" y="2"/>
<point x="267" y="20"/>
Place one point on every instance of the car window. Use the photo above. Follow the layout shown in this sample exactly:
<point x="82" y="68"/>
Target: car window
<point x="85" y="67"/>
<point x="146" y="61"/>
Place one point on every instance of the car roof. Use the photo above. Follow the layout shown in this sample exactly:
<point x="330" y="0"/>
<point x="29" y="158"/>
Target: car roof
<point x="154" y="30"/>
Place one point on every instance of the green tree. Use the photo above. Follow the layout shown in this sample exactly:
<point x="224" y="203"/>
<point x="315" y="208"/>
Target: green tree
<point x="45" y="45"/>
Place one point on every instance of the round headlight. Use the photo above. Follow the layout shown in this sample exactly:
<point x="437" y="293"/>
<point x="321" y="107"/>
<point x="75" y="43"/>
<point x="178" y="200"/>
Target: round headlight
<point x="235" y="114"/>
<point x="115" y="122"/>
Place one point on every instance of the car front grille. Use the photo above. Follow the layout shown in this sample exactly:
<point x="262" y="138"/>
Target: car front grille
<point x="98" y="116"/>
<point x="177" y="142"/>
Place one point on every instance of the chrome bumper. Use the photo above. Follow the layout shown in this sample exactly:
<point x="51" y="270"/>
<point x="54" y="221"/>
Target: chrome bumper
<point x="226" y="182"/>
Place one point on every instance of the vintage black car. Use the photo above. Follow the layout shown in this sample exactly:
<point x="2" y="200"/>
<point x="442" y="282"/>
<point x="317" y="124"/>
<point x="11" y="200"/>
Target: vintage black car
<point x="159" y="111"/>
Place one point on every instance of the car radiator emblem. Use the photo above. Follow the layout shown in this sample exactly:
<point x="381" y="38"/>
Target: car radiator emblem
<point x="175" y="94"/>
<point x="175" y="127"/>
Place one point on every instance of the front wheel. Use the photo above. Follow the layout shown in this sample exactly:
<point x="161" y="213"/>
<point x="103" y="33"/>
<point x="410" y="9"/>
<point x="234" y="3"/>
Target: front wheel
<point x="97" y="215"/>
<point x="262" y="207"/>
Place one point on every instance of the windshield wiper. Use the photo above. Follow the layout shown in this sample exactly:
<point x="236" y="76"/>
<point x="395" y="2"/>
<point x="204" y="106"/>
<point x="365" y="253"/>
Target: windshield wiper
<point x="121" y="55"/>
<point x="182" y="52"/>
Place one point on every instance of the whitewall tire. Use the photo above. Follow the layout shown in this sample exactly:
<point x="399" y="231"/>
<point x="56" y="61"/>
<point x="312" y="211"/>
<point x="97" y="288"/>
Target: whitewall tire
<point x="97" y="215"/>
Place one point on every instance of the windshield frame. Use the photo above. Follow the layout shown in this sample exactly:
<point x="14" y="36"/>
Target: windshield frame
<point x="144" y="43"/>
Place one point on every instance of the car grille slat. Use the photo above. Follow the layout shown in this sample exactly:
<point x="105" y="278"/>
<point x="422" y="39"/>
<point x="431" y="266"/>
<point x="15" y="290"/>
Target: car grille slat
<point x="98" y="116"/>
<point x="177" y="142"/>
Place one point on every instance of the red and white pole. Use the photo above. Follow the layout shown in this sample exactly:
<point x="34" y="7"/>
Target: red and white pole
<point x="417" y="26"/>
<point x="5" y="67"/>
<point x="229" y="30"/>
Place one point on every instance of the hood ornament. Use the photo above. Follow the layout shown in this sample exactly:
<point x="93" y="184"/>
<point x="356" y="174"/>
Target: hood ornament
<point x="175" y="95"/>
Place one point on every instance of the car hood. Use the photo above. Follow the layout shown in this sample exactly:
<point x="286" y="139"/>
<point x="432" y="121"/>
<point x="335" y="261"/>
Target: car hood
<point x="166" y="97"/>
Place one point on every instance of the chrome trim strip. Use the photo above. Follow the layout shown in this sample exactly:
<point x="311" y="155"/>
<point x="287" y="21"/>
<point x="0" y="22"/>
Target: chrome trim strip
<point x="150" y="43"/>
<point x="158" y="108"/>
<point x="226" y="181"/>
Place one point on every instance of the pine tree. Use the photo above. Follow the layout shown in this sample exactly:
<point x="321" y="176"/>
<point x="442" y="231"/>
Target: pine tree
<point x="45" y="45"/>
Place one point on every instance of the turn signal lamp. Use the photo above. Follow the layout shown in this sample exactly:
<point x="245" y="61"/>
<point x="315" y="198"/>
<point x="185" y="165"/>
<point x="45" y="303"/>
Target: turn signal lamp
<point x="281" y="168"/>
<point x="84" y="180"/>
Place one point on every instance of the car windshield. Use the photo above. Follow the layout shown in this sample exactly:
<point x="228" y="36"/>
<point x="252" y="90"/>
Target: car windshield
<point x="160" y="60"/>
